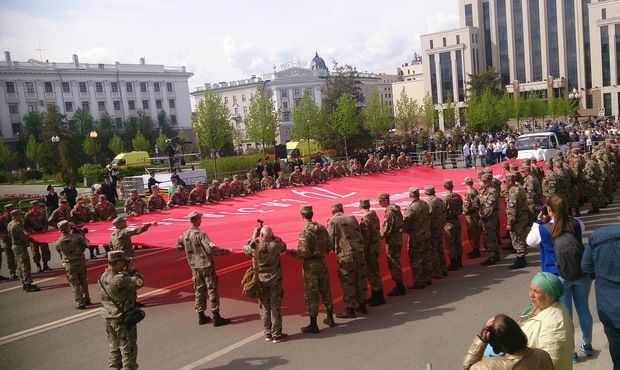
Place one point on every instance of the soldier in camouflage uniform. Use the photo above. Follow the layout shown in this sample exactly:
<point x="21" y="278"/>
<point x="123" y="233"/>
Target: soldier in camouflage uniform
<point x="296" y="178"/>
<point x="61" y="213"/>
<point x="307" y="176"/>
<point x="198" y="195"/>
<point x="155" y="202"/>
<point x="416" y="223"/>
<point x="402" y="160"/>
<point x="281" y="181"/>
<point x="370" y="166"/>
<point x="577" y="166"/>
<point x="385" y="163"/>
<point x="249" y="185"/>
<point x="71" y="248"/>
<point x="516" y="219"/>
<point x="536" y="169"/>
<point x="312" y="246"/>
<point x="20" y="242"/>
<point x="225" y="189"/>
<point x="325" y="172"/>
<point x="104" y="210"/>
<point x="438" y="221"/>
<point x="177" y="198"/>
<point x="118" y="288"/>
<point x="346" y="238"/>
<point x="134" y="205"/>
<point x="533" y="193"/>
<point x="356" y="168"/>
<point x="236" y="187"/>
<point x="563" y="183"/>
<point x="452" y="228"/>
<point x="267" y="182"/>
<point x="341" y="169"/>
<point x="120" y="239"/>
<point x="34" y="222"/>
<point x="270" y="276"/>
<point x="83" y="215"/>
<point x="489" y="214"/>
<point x="514" y="168"/>
<point x="199" y="249"/>
<point x="551" y="182"/>
<point x="606" y="177"/>
<point x="393" y="163"/>
<point x="592" y="172"/>
<point x="371" y="234"/>
<point x="317" y="175"/>
<point x="213" y="194"/>
<point x="391" y="231"/>
<point x="6" y="239"/>
<point x="471" y="205"/>
<point x="572" y="192"/>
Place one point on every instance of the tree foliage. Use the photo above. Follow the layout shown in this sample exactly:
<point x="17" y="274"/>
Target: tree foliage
<point x="485" y="113"/>
<point x="261" y="122"/>
<point x="343" y="81"/>
<point x="6" y="154"/>
<point x="377" y="117"/>
<point x="407" y="115"/>
<point x="34" y="150"/>
<point x="306" y="119"/>
<point x="429" y="114"/>
<point x="344" y="119"/>
<point x="449" y="113"/>
<point x="478" y="84"/>
<point x="139" y="143"/>
<point x="116" y="145"/>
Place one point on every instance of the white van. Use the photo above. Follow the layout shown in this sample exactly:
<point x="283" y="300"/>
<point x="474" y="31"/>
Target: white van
<point x="549" y="142"/>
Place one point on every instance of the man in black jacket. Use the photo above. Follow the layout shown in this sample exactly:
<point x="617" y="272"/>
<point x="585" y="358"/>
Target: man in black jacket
<point x="70" y="193"/>
<point x="108" y="189"/>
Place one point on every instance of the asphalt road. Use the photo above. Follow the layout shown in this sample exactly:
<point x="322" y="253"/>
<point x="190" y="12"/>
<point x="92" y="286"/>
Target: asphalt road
<point x="43" y="330"/>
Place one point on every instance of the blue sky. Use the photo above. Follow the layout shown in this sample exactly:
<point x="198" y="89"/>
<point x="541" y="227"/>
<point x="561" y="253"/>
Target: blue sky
<point x="222" y="40"/>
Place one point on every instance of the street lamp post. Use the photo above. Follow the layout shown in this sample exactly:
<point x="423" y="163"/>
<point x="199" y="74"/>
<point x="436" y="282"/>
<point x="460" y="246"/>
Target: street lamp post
<point x="56" y="141"/>
<point x="93" y="135"/>
<point x="575" y="96"/>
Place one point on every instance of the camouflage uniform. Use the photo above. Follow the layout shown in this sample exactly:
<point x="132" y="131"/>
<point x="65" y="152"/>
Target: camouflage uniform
<point x="199" y="250"/>
<point x="538" y="172"/>
<point x="281" y="183"/>
<point x="213" y="194"/>
<point x="120" y="240"/>
<point x="5" y="219"/>
<point x="371" y="234"/>
<point x="71" y="248"/>
<point x="296" y="179"/>
<point x="225" y="190"/>
<point x="198" y="195"/>
<point x="471" y="205"/>
<point x="177" y="199"/>
<point x="606" y="178"/>
<point x="250" y="186"/>
<point x="390" y="230"/>
<point x="438" y="220"/>
<point x="267" y="183"/>
<point x="58" y="215"/>
<point x="533" y="196"/>
<point x="550" y="184"/>
<point x="385" y="164"/>
<point x="452" y="229"/>
<point x="489" y="214"/>
<point x="81" y="215"/>
<point x="307" y="178"/>
<point x="270" y="276"/>
<point x="312" y="246"/>
<point x="346" y="238"/>
<point x="236" y="188"/>
<point x="402" y="161"/>
<point x="417" y="224"/>
<point x="517" y="218"/>
<point x="121" y="288"/>
<point x="370" y="166"/>
<point x="102" y="213"/>
<point x="37" y="222"/>
<point x="156" y="203"/>
<point x="134" y="207"/>
<point x="20" y="242"/>
<point x="592" y="172"/>
<point x="317" y="176"/>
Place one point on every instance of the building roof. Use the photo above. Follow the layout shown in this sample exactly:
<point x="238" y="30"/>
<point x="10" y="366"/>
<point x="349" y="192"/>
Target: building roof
<point x="318" y="62"/>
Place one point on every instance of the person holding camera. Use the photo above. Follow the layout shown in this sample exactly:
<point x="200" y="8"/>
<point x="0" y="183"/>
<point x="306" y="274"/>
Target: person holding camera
<point x="270" y="275"/>
<point x="118" y="290"/>
<point x="71" y="249"/>
<point x="199" y="250"/>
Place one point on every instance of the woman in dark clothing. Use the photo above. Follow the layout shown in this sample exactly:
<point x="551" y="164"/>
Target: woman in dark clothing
<point x="51" y="200"/>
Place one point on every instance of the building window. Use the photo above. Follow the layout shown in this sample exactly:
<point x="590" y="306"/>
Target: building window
<point x="10" y="87"/>
<point x="519" y="40"/>
<point x="431" y="62"/>
<point x="156" y="87"/>
<point x="587" y="51"/>
<point x="13" y="109"/>
<point x="286" y="117"/>
<point x="605" y="57"/>
<point x="142" y="86"/>
<point x="570" y="30"/>
<point x="603" y="13"/>
<point x="245" y="110"/>
<point x="99" y="87"/>
<point x="114" y="87"/>
<point x="158" y="104"/>
<point x="145" y="104"/>
<point x="459" y="76"/>
<point x="236" y="110"/>
<point x="47" y="86"/>
<point x="226" y="100"/>
<point x="458" y="39"/>
<point x="445" y="66"/>
<point x="15" y="127"/>
<point x="173" y="119"/>
<point x="607" y="103"/>
<point x="29" y="87"/>
<point x="589" y="101"/>
<point x="68" y="106"/>
<point x="117" y="105"/>
<point x="86" y="106"/>
<point x="169" y="86"/>
<point x="119" y="122"/>
<point x="502" y="35"/>
<point x="618" y="53"/>
<point x="297" y="92"/>
<point x="486" y="18"/>
<point x="234" y="98"/>
<point x="285" y="104"/>
<point x="469" y="18"/>
<point x="101" y="105"/>
<point x="283" y="94"/>
<point x="32" y="107"/>
<point x="243" y="97"/>
<point x="66" y="87"/>
<point x="129" y="87"/>
<point x="552" y="39"/>
<point x="430" y="44"/>
<point x="131" y="104"/>
<point x="444" y="42"/>
<point x="83" y="87"/>
<point x="171" y="103"/>
<point x="535" y="44"/>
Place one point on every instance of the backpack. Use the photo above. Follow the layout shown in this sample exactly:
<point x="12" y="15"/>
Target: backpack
<point x="251" y="286"/>
<point x="568" y="254"/>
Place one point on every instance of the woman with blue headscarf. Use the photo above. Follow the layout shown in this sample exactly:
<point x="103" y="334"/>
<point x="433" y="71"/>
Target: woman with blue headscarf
<point x="546" y="323"/>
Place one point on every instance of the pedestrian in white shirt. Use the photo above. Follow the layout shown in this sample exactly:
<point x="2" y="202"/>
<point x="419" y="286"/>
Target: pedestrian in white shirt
<point x="538" y="153"/>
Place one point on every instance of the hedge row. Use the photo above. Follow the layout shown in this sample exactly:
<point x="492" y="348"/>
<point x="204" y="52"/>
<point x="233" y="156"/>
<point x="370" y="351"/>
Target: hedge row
<point x="22" y="175"/>
<point x="100" y="172"/>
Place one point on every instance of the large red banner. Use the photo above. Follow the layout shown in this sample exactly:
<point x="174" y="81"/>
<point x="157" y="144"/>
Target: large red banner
<point x="230" y="223"/>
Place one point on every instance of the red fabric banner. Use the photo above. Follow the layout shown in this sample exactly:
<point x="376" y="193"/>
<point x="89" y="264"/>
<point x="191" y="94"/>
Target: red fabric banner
<point x="229" y="223"/>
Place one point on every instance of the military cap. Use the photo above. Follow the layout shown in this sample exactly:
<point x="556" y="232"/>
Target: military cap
<point x="526" y="169"/>
<point x="16" y="212"/>
<point x="215" y="182"/>
<point x="479" y="173"/>
<point x="468" y="180"/>
<point x="447" y="182"/>
<point x="337" y="207"/>
<point x="117" y="221"/>
<point x="101" y="197"/>
<point x="510" y="177"/>
<point x="506" y="165"/>
<point x="249" y="174"/>
<point x="514" y="166"/>
<point x="226" y="179"/>
<point x="383" y="196"/>
<point x="527" y="160"/>
<point x="235" y="177"/>
<point x="134" y="191"/>
<point x="198" y="183"/>
<point x="64" y="201"/>
<point x="154" y="187"/>
<point x="116" y="256"/>
<point x="487" y="177"/>
<point x="413" y="190"/>
<point x="63" y="225"/>
<point x="306" y="208"/>
<point x="429" y="189"/>
<point x="35" y="203"/>
<point x="488" y="170"/>
<point x="533" y="159"/>
<point x="365" y="203"/>
<point x="279" y="173"/>
<point x="80" y="201"/>
<point x="588" y="154"/>
<point x="194" y="215"/>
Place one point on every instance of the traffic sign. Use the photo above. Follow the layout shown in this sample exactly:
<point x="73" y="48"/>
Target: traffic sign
<point x="601" y="112"/>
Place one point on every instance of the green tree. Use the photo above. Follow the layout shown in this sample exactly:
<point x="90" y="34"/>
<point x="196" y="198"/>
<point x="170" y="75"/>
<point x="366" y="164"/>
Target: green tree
<point x="376" y="117"/>
<point x="408" y="113"/>
<point x="33" y="125"/>
<point x="343" y="81"/>
<point x="139" y="143"/>
<point x="82" y="123"/>
<point x="449" y="113"/>
<point x="211" y="123"/>
<point x="116" y="145"/>
<point x="161" y="142"/>
<point x="163" y="122"/>
<point x="344" y="119"/>
<point x="6" y="154"/>
<point x="306" y="119"/>
<point x="478" y="84"/>
<point x="429" y="114"/>
<point x="535" y="107"/>
<point x="89" y="146"/>
<point x="566" y="107"/>
<point x="518" y="108"/>
<point x="484" y="114"/>
<point x="34" y="150"/>
<point x="261" y="122"/>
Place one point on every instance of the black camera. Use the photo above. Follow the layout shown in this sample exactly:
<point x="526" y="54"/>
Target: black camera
<point x="542" y="209"/>
<point x="79" y="229"/>
<point x="260" y="222"/>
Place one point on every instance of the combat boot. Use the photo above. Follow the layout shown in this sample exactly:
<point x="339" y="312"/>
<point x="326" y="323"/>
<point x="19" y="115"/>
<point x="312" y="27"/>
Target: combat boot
<point x="219" y="320"/>
<point x="349" y="313"/>
<point x="372" y="296"/>
<point x="31" y="288"/>
<point x="361" y="308"/>
<point x="379" y="299"/>
<point x="459" y="259"/>
<point x="489" y="261"/>
<point x="92" y="253"/>
<point x="519" y="263"/>
<point x="313" y="328"/>
<point x="454" y="265"/>
<point x="39" y="269"/>
<point x="398" y="290"/>
<point x="2" y="278"/>
<point x="202" y="318"/>
<point x="329" y="320"/>
<point x="594" y="211"/>
<point x="474" y="254"/>
<point x="46" y="267"/>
